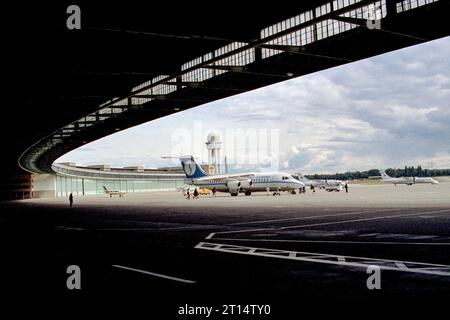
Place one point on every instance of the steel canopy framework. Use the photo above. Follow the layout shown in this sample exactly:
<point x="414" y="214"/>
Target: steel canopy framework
<point x="321" y="36"/>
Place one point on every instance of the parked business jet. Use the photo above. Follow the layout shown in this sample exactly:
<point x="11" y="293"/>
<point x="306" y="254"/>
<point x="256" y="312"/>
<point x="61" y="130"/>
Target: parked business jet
<point x="239" y="182"/>
<point x="113" y="192"/>
<point x="406" y="180"/>
<point x="329" y="185"/>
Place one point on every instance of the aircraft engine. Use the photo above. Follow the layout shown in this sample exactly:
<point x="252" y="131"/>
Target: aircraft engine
<point x="246" y="184"/>
<point x="233" y="187"/>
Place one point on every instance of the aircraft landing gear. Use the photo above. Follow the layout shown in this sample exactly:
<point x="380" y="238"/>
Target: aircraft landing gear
<point x="248" y="193"/>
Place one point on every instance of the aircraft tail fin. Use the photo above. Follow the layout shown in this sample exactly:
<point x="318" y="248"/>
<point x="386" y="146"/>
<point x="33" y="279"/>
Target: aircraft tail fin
<point x="105" y="189"/>
<point x="384" y="175"/>
<point x="191" y="168"/>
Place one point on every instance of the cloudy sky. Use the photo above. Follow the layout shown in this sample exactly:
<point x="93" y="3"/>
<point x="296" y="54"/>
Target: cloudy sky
<point x="387" y="111"/>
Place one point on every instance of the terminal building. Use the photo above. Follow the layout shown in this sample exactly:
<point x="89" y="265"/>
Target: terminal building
<point x="90" y="180"/>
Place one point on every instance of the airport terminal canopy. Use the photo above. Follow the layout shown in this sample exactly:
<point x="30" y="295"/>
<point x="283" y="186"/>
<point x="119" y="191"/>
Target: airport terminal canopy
<point x="133" y="62"/>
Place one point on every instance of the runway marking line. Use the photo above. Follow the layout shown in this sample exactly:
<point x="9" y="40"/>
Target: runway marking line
<point x="349" y="261"/>
<point x="211" y="235"/>
<point x="337" y="241"/>
<point x="159" y="275"/>
<point x="201" y="227"/>
<point x="312" y="217"/>
<point x="206" y="226"/>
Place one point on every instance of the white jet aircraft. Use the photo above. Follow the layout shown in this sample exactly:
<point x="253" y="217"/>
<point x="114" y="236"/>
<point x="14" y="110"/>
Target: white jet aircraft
<point x="113" y="192"/>
<point x="239" y="182"/>
<point x="406" y="180"/>
<point x="329" y="185"/>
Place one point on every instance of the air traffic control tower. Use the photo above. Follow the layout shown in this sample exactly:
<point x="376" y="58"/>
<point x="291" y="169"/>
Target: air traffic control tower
<point x="214" y="145"/>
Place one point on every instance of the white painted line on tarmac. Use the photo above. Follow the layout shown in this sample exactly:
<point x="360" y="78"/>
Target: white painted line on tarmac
<point x="312" y="217"/>
<point x="401" y="265"/>
<point x="197" y="227"/>
<point x="348" y="261"/>
<point x="365" y="219"/>
<point x="210" y="235"/>
<point x="337" y="241"/>
<point x="332" y="222"/>
<point x="159" y="275"/>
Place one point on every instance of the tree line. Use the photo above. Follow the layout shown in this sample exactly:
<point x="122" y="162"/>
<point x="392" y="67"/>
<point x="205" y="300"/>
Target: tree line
<point x="393" y="172"/>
